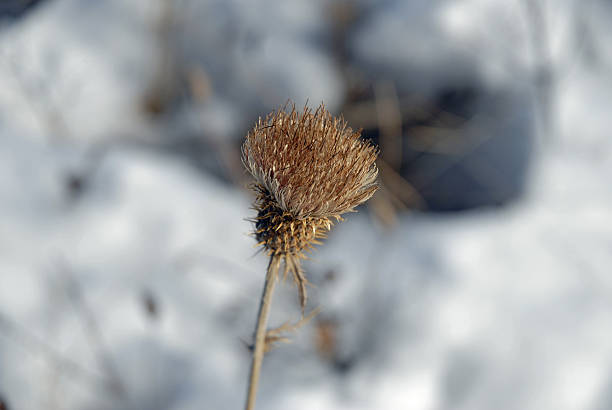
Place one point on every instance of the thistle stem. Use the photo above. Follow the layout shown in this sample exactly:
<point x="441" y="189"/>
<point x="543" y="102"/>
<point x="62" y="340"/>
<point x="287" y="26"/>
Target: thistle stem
<point x="260" y="329"/>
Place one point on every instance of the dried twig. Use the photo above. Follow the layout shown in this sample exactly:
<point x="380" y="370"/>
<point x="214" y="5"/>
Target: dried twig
<point x="260" y="332"/>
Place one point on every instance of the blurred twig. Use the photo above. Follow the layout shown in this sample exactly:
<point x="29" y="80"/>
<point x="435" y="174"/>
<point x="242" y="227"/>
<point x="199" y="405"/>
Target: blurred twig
<point x="164" y="87"/>
<point x="403" y="189"/>
<point x="544" y="77"/>
<point x="40" y="102"/>
<point x="90" y="323"/>
<point x="34" y="344"/>
<point x="384" y="206"/>
<point x="389" y="118"/>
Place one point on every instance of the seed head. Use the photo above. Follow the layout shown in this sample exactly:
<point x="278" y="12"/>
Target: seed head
<point x="312" y="164"/>
<point x="308" y="168"/>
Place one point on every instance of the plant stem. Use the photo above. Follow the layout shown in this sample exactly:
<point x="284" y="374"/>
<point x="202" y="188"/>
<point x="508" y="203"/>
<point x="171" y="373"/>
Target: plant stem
<point x="260" y="330"/>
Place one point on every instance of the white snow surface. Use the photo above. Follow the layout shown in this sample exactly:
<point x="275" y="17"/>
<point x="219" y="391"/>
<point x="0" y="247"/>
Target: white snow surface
<point x="489" y="309"/>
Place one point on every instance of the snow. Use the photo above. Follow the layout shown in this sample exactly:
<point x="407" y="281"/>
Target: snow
<point x="137" y="288"/>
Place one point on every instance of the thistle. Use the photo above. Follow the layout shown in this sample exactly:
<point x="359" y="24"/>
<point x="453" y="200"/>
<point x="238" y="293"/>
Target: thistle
<point x="309" y="169"/>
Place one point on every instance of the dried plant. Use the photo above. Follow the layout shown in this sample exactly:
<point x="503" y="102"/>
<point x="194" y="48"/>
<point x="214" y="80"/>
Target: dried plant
<point x="309" y="169"/>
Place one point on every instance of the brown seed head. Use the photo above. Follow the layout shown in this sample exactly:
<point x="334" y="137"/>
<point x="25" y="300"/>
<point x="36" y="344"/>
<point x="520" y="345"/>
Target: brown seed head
<point x="308" y="167"/>
<point x="311" y="163"/>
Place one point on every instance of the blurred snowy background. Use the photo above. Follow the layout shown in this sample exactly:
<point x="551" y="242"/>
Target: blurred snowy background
<point x="477" y="278"/>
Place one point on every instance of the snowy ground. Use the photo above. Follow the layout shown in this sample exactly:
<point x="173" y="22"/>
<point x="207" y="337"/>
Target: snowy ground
<point x="137" y="287"/>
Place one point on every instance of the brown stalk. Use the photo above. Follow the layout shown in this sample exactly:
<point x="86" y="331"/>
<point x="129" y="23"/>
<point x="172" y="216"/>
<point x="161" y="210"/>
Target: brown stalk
<point x="260" y="330"/>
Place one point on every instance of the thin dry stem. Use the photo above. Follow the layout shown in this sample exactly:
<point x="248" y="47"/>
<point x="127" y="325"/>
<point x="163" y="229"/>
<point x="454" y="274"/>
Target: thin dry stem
<point x="260" y="330"/>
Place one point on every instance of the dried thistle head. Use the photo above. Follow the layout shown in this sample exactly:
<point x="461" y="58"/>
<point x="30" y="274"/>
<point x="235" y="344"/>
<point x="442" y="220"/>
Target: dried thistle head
<point x="309" y="167"/>
<point x="312" y="164"/>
